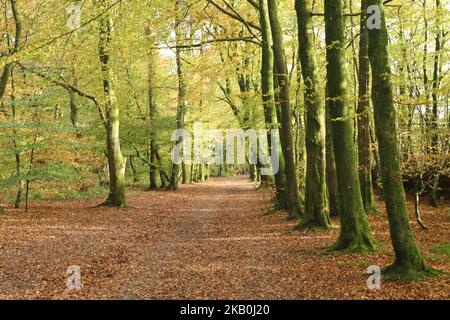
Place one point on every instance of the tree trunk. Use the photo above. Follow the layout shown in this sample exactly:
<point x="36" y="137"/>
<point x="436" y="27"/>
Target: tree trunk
<point x="294" y="202"/>
<point x="409" y="262"/>
<point x="162" y="175"/>
<point x="316" y="206"/>
<point x="133" y="170"/>
<point x="267" y="85"/>
<point x="280" y="177"/>
<point x="17" y="43"/>
<point x="16" y="149"/>
<point x="435" y="96"/>
<point x="364" y="154"/>
<point x="355" y="230"/>
<point x="181" y="99"/>
<point x="74" y="107"/>
<point x="116" y="161"/>
<point x="333" y="197"/>
<point x="152" y="115"/>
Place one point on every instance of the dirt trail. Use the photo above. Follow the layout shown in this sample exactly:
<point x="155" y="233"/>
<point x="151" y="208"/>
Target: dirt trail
<point x="209" y="241"/>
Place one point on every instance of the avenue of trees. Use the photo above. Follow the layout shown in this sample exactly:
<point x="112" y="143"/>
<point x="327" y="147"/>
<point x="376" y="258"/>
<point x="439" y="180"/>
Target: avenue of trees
<point x="91" y="91"/>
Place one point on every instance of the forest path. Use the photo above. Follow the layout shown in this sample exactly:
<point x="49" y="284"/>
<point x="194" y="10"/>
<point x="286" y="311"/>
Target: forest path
<point x="209" y="252"/>
<point x="213" y="240"/>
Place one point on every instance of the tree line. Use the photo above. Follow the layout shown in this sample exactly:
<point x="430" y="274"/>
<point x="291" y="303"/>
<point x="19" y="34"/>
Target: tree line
<point x="355" y="106"/>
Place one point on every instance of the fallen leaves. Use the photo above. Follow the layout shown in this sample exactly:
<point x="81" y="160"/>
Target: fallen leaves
<point x="209" y="241"/>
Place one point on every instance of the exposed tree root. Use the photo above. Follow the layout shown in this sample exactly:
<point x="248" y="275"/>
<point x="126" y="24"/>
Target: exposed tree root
<point x="313" y="226"/>
<point x="113" y="204"/>
<point x="359" y="244"/>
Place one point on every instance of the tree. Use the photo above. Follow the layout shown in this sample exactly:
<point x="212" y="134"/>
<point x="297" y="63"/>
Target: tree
<point x="152" y="114"/>
<point x="116" y="161"/>
<point x="355" y="232"/>
<point x="181" y="109"/>
<point x="294" y="201"/>
<point x="409" y="262"/>
<point x="437" y="69"/>
<point x="333" y="197"/>
<point x="363" y="111"/>
<point x="12" y="51"/>
<point x="268" y="97"/>
<point x="316" y="206"/>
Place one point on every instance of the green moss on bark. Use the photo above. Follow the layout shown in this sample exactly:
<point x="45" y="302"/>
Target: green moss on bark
<point x="294" y="202"/>
<point x="316" y="205"/>
<point x="355" y="235"/>
<point x="409" y="262"/>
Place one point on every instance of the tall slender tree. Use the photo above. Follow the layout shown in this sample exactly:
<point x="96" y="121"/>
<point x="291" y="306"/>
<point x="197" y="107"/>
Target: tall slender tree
<point x="316" y="206"/>
<point x="116" y="161"/>
<point x="181" y="96"/>
<point x="409" y="262"/>
<point x="267" y="88"/>
<point x="437" y="70"/>
<point x="364" y="149"/>
<point x="333" y="197"/>
<point x="355" y="232"/>
<point x="152" y="116"/>
<point x="13" y="50"/>
<point x="294" y="201"/>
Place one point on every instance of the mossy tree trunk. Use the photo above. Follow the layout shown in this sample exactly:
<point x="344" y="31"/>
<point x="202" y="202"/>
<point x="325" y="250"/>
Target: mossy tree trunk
<point x="316" y="206"/>
<point x="116" y="161"/>
<point x="294" y="202"/>
<point x="267" y="85"/>
<point x="280" y="177"/>
<point x="74" y="108"/>
<point x="355" y="232"/>
<point x="152" y="115"/>
<point x="181" y="98"/>
<point x="333" y="197"/>
<point x="364" y="153"/>
<point x="409" y="262"/>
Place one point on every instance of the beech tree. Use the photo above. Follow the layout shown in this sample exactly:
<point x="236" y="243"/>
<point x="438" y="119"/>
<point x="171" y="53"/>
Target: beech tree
<point x="409" y="262"/>
<point x="268" y="98"/>
<point x="13" y="49"/>
<point x="294" y="201"/>
<point x="355" y="234"/>
<point x="88" y="109"/>
<point x="181" y="97"/>
<point x="364" y="142"/>
<point x="316" y="206"/>
<point x="116" y="161"/>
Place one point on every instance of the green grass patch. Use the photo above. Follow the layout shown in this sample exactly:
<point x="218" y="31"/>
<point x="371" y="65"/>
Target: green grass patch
<point x="441" y="252"/>
<point x="441" y="249"/>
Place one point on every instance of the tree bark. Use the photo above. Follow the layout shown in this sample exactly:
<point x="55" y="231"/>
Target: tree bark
<point x="152" y="114"/>
<point x="181" y="99"/>
<point x="294" y="202"/>
<point x="280" y="177"/>
<point x="435" y="96"/>
<point x="116" y="161"/>
<point x="333" y="197"/>
<point x="409" y="262"/>
<point x="74" y="108"/>
<point x="17" y="43"/>
<point x="355" y="232"/>
<point x="17" y="152"/>
<point x="267" y="85"/>
<point x="316" y="206"/>
<point x="364" y="154"/>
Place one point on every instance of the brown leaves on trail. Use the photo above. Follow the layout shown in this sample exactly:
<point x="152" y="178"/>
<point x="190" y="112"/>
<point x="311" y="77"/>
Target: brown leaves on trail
<point x="209" y="241"/>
